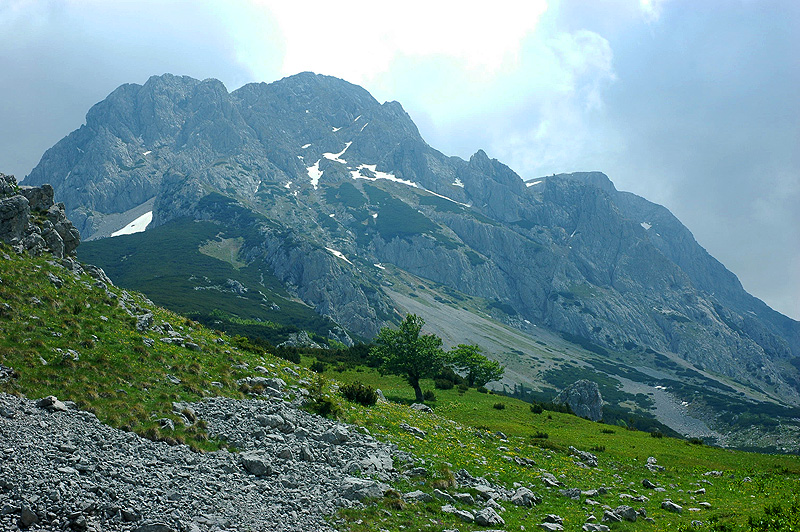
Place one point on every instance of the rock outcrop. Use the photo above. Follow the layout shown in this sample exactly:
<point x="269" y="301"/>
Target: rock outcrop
<point x="30" y="220"/>
<point x="584" y="398"/>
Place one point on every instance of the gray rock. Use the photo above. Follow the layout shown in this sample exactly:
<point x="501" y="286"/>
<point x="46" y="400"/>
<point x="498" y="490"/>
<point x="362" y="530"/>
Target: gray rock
<point x="52" y="404"/>
<point x="647" y="484"/>
<point x="525" y="497"/>
<point x="359" y="489"/>
<point x="256" y="463"/>
<point x="418" y="495"/>
<point x="27" y="517"/>
<point x="154" y="527"/>
<point x="422" y="408"/>
<point x="584" y="398"/>
<point x="488" y="517"/>
<point x="464" y="515"/>
<point x="413" y="430"/>
<point x="572" y="493"/>
<point x="444" y="496"/>
<point x="671" y="507"/>
<point x="626" y="512"/>
<point x="611" y="517"/>
<point x="551" y="526"/>
<point x="594" y="527"/>
<point x="464" y="498"/>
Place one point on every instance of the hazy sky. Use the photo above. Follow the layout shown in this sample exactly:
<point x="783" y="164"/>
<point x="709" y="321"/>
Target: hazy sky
<point x="694" y="105"/>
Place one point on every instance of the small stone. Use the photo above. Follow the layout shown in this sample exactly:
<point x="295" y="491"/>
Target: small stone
<point x="647" y="484"/>
<point x="593" y="527"/>
<point x="671" y="507"/>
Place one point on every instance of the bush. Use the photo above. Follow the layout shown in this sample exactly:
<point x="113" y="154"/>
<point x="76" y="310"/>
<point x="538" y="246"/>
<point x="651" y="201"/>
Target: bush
<point x="499" y="406"/>
<point x="598" y="448"/>
<point x="536" y="408"/>
<point x="318" y="366"/>
<point x="656" y="434"/>
<point x="696" y="441"/>
<point x="462" y="388"/>
<point x="482" y="389"/>
<point x="428" y="395"/>
<point x="443" y="384"/>
<point x="357" y="392"/>
<point x="541" y="435"/>
<point x="607" y="431"/>
<point x="319" y="401"/>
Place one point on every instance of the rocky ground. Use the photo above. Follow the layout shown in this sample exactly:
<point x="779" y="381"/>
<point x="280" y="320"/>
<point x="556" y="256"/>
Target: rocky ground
<point x="61" y="469"/>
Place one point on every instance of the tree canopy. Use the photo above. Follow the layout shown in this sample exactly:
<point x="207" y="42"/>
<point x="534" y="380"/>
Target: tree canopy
<point x="479" y="370"/>
<point x="405" y="351"/>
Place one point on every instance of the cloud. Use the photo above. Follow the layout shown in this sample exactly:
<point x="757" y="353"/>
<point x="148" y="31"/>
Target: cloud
<point x="360" y="40"/>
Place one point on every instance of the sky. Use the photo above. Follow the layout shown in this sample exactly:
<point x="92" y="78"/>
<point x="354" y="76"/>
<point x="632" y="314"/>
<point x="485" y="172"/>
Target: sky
<point x="692" y="105"/>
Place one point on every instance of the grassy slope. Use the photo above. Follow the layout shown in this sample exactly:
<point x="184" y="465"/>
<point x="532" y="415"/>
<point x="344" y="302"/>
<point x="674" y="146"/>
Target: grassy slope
<point x="125" y="383"/>
<point x="170" y="263"/>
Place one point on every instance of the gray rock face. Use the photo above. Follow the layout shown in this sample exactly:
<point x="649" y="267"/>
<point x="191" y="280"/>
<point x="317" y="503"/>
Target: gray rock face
<point x="584" y="398"/>
<point x="319" y="171"/>
<point x="49" y="231"/>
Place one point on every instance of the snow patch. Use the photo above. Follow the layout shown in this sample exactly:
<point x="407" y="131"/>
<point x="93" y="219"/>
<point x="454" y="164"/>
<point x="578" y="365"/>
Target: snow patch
<point x="337" y="156"/>
<point x="340" y="255"/>
<point x="300" y="157"/>
<point x="148" y="152"/>
<point x="356" y="174"/>
<point x="646" y="225"/>
<point x="445" y="197"/>
<point x="379" y="266"/>
<point x="332" y="215"/>
<point x="374" y="215"/>
<point x="335" y="129"/>
<point x="531" y="183"/>
<point x="304" y="146"/>
<point x="314" y="173"/>
<point x="458" y="183"/>
<point x="356" y="118"/>
<point x="362" y="127"/>
<point x="136" y="226"/>
<point x="288" y="184"/>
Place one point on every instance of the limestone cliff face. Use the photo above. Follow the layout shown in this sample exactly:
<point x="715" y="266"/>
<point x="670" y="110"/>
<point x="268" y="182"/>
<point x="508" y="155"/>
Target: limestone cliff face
<point x="334" y="184"/>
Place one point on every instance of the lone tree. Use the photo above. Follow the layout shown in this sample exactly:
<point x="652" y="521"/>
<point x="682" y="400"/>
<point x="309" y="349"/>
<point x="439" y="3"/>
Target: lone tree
<point x="406" y="352"/>
<point x="479" y="369"/>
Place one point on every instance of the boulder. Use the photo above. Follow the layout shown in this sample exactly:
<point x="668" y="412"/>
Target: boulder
<point x="489" y="517"/>
<point x="525" y="497"/>
<point x="584" y="398"/>
<point x="256" y="463"/>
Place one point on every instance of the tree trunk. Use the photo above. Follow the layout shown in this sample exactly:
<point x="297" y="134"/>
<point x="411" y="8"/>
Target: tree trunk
<point x="417" y="390"/>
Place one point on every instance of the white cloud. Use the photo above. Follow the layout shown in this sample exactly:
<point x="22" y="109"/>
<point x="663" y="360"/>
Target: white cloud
<point x="651" y="9"/>
<point x="359" y="40"/>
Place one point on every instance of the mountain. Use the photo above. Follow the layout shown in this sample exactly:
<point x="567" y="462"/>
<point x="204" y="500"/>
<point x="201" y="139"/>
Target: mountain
<point x="314" y="183"/>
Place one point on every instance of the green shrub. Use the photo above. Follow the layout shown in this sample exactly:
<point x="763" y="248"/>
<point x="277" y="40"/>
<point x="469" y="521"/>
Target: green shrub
<point x="318" y="366"/>
<point x="541" y="435"/>
<point x="462" y="388"/>
<point x="482" y="389"/>
<point x="428" y="395"/>
<point x="656" y="434"/>
<point x="319" y="401"/>
<point x="360" y="393"/>
<point x="499" y="406"/>
<point x="443" y="384"/>
<point x="536" y="408"/>
<point x="607" y="431"/>
<point x="695" y="441"/>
